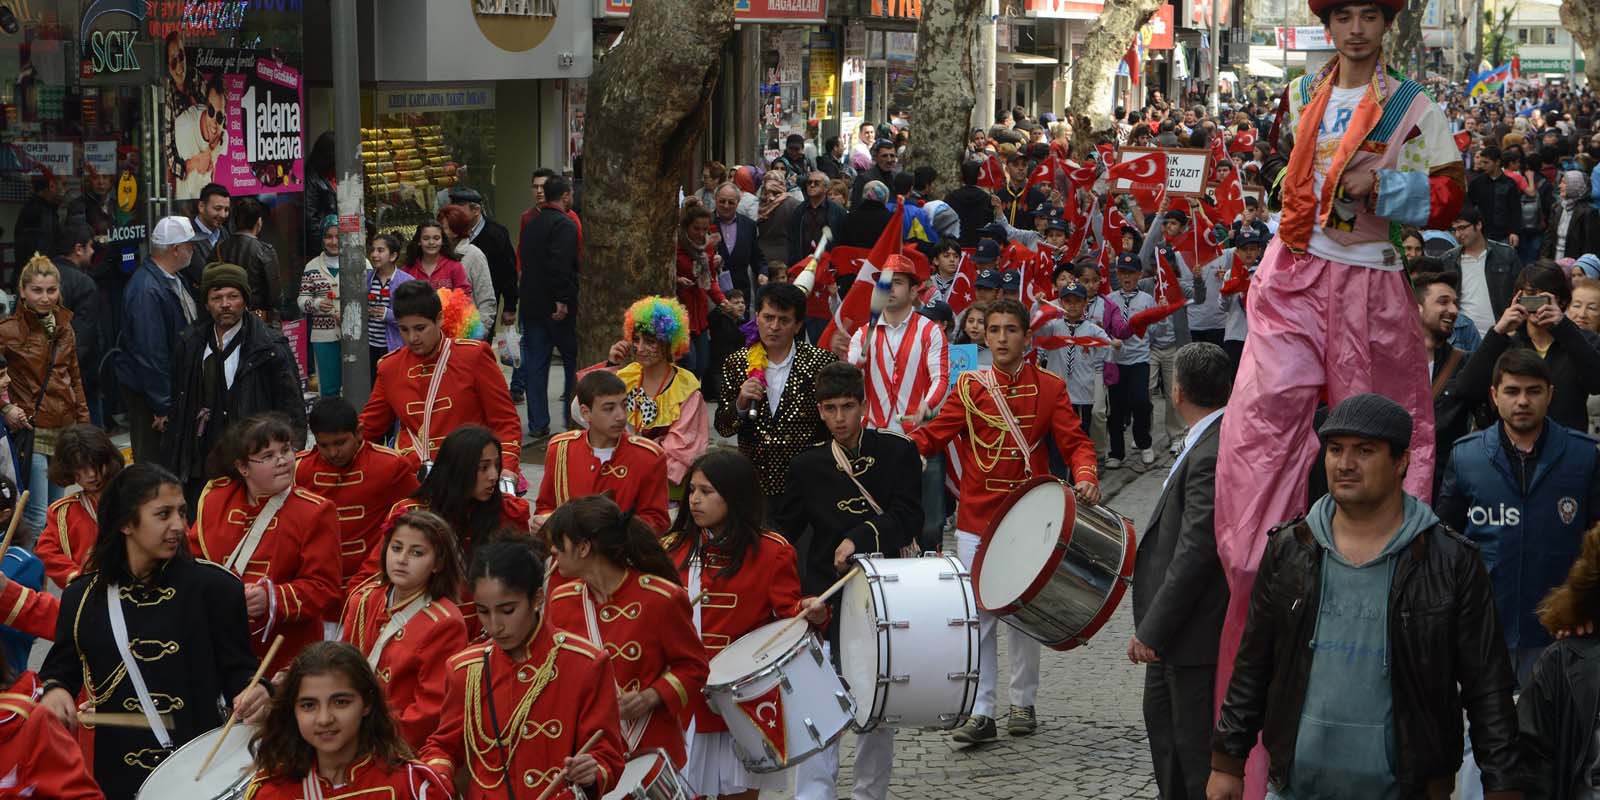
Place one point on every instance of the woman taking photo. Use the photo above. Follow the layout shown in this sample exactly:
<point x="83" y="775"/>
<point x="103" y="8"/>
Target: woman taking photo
<point x="528" y="674"/>
<point x="665" y="404"/>
<point x="282" y="541"/>
<point x="622" y="594"/>
<point x="383" y="277"/>
<point x="319" y="301"/>
<point x="698" y="265"/>
<point x="426" y="260"/>
<point x="85" y="456"/>
<point x="720" y="548"/>
<point x="330" y="733"/>
<point x="457" y="222"/>
<point x="41" y="354"/>
<point x="184" y="618"/>
<point x="405" y="622"/>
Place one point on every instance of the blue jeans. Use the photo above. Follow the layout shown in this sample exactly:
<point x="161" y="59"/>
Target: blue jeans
<point x="330" y="373"/>
<point x="933" y="508"/>
<point x="539" y="337"/>
<point x="41" y="493"/>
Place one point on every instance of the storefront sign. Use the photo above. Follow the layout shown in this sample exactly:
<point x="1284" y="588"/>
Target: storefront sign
<point x="1064" y="9"/>
<point x="515" y="8"/>
<point x="100" y="157"/>
<point x="812" y="11"/>
<point x="1157" y="33"/>
<point x="1549" y="64"/>
<point x="112" y="51"/>
<point x="1310" y="37"/>
<point x="433" y="100"/>
<point x="36" y="157"/>
<point x="1186" y="170"/>
<point x="249" y="138"/>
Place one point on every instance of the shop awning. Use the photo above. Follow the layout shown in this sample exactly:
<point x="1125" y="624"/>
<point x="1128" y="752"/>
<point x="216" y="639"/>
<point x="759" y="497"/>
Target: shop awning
<point x="1026" y="59"/>
<point x="1264" y="69"/>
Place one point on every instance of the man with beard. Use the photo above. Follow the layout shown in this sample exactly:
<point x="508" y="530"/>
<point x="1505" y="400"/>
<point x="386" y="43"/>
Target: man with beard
<point x="224" y="370"/>
<point x="1438" y="308"/>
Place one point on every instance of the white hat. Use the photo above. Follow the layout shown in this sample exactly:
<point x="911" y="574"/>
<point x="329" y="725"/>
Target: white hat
<point x="174" y="230"/>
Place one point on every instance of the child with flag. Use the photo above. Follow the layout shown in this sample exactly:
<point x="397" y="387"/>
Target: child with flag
<point x="1077" y="349"/>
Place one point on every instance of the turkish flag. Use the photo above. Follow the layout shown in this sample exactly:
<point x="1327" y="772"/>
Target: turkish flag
<point x="1111" y="229"/>
<point x="856" y="308"/>
<point x="1199" y="242"/>
<point x="1080" y="174"/>
<point x="1042" y="315"/>
<point x="1105" y="270"/>
<point x="1238" y="277"/>
<point x="1107" y="151"/>
<point x="1037" y="281"/>
<point x="1148" y="168"/>
<point x="1463" y="140"/>
<point x="1169" y="296"/>
<point x="1045" y="172"/>
<point x="817" y="298"/>
<point x="766" y="711"/>
<point x="1149" y="200"/>
<point x="992" y="175"/>
<point x="1219" y="154"/>
<point x="1230" y="198"/>
<point x="1243" y="142"/>
<point x="963" y="293"/>
<point x="1058" y="342"/>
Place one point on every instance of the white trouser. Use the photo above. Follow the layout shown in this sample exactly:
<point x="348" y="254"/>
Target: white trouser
<point x="814" y="778"/>
<point x="1021" y="650"/>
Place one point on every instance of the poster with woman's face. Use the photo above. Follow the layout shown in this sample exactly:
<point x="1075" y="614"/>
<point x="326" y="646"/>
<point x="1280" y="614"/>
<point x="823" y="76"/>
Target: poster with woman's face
<point x="233" y="118"/>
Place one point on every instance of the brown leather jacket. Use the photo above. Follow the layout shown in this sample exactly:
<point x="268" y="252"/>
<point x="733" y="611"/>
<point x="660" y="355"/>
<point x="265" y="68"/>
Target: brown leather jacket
<point x="25" y="346"/>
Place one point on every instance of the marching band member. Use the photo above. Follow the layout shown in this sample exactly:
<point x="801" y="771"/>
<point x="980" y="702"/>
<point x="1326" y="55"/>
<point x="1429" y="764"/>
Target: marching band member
<point x="404" y="620"/>
<point x="28" y="611"/>
<point x="274" y="536"/>
<point x="330" y="734"/>
<point x="859" y="493"/>
<point x="86" y="456"/>
<point x="1000" y="417"/>
<point x="605" y="457"/>
<point x="41" y="757"/>
<point x="435" y="385"/>
<point x="623" y="594"/>
<point x="504" y="722"/>
<point x="363" y="480"/>
<point x="178" y="629"/>
<point x="749" y="577"/>
<point x="909" y="359"/>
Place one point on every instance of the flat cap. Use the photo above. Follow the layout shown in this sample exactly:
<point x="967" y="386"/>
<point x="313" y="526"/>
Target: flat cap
<point x="1369" y="416"/>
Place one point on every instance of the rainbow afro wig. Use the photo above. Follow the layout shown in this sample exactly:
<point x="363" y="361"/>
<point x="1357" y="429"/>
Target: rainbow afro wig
<point x="460" y="319"/>
<point x="662" y="318"/>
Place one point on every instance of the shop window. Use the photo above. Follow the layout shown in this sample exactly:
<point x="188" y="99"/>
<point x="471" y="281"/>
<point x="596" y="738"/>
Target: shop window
<point x="414" y="159"/>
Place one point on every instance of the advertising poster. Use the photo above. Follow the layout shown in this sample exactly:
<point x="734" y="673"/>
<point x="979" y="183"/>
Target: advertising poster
<point x="233" y="118"/>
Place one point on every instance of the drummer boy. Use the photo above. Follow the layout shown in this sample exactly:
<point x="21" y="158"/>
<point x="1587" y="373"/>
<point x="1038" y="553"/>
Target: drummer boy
<point x="875" y="508"/>
<point x="998" y="418"/>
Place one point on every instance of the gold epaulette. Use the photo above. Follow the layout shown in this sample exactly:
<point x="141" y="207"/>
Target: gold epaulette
<point x="647" y="444"/>
<point x="573" y="589"/>
<point x="665" y="588"/>
<point x="20" y="704"/>
<point x="670" y="540"/>
<point x="71" y="498"/>
<point x="566" y="436"/>
<point x="305" y="494"/>
<point x="472" y="655"/>
<point x="386" y="449"/>
<point x="572" y="642"/>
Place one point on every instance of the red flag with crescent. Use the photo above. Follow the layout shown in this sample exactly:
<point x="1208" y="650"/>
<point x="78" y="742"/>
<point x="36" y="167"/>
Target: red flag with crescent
<point x="1045" y="172"/>
<point x="1081" y="174"/>
<point x="1058" y="342"/>
<point x="1107" y="151"/>
<point x="766" y="711"/>
<point x="1463" y="139"/>
<point x="992" y="175"/>
<point x="1230" y="197"/>
<point x="1244" y="141"/>
<point x="1149" y="168"/>
<point x="1169" y="296"/>
<point x="1238" y="276"/>
<point x="963" y="293"/>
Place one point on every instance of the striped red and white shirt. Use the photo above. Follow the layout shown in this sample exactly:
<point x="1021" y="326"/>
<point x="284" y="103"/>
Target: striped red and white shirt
<point x="910" y="369"/>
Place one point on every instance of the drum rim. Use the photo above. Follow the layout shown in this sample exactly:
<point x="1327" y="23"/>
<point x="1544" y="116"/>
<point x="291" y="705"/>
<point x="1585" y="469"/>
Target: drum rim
<point x="800" y="645"/>
<point x="1113" y="598"/>
<point x="880" y="692"/>
<point x="1069" y="520"/>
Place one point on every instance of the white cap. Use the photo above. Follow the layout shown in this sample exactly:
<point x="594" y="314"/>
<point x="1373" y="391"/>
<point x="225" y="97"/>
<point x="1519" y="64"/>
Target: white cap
<point x="174" y="230"/>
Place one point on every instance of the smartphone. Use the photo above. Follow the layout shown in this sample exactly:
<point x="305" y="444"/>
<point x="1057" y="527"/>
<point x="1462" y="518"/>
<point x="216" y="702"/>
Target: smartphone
<point x="1532" y="302"/>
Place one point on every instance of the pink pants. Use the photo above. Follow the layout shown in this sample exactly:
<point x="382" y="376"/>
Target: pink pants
<point x="1314" y="324"/>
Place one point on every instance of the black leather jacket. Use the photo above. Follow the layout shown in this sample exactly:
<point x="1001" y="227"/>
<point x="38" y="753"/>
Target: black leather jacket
<point x="1557" y="711"/>
<point x="1447" y="653"/>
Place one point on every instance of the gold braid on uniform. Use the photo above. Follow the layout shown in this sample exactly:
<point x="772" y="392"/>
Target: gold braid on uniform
<point x="476" y="751"/>
<point x="998" y="424"/>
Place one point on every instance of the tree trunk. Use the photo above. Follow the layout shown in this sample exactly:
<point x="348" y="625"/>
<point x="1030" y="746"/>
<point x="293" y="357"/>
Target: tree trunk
<point x="1582" y="19"/>
<point x="1404" y="43"/>
<point x="647" y="109"/>
<point x="941" y="103"/>
<point x="1095" y="71"/>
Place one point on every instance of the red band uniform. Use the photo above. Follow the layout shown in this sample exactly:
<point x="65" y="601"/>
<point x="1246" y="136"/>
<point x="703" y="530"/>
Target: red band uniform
<point x="370" y="779"/>
<point x="472" y="392"/>
<point x="38" y="757"/>
<point x="514" y="514"/>
<point x="296" y="558"/>
<point x="635" y="474"/>
<point x="549" y="699"/>
<point x="647" y="629"/>
<point x="418" y="635"/>
<point x="70" y="528"/>
<point x="29" y="611"/>
<point x="362" y="492"/>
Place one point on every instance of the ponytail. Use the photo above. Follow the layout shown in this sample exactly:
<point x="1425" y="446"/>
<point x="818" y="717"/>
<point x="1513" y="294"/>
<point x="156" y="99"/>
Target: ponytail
<point x="619" y="536"/>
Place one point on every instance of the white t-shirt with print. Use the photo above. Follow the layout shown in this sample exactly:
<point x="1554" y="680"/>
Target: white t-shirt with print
<point x="1335" y="121"/>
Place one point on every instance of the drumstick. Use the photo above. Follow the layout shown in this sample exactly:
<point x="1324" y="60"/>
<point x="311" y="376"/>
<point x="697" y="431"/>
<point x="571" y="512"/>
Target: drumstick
<point x="234" y="716"/>
<point x="823" y="598"/>
<point x="16" y="516"/>
<point x="119" y="719"/>
<point x="544" y="795"/>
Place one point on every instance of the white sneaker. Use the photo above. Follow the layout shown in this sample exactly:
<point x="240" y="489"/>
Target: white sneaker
<point x="1113" y="463"/>
<point x="1148" y="456"/>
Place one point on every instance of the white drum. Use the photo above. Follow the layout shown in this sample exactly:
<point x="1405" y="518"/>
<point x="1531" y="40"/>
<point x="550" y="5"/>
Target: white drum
<point x="783" y="702"/>
<point x="908" y="642"/>
<point x="225" y="779"/>
<point x="650" y="777"/>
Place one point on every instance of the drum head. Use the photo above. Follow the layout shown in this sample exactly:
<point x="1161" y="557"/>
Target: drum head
<point x="1022" y="543"/>
<point x="232" y="766"/>
<point x="858" y="643"/>
<point x="745" y="657"/>
<point x="637" y="773"/>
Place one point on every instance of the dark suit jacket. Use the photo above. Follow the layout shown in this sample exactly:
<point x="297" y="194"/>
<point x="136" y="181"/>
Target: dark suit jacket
<point x="1179" y="591"/>
<point x="550" y="264"/>
<point x="745" y="261"/>
<point x="204" y="253"/>
<point x="495" y="242"/>
<point x="799" y="247"/>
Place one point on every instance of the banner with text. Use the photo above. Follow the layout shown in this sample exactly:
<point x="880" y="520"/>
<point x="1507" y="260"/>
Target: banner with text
<point x="236" y="123"/>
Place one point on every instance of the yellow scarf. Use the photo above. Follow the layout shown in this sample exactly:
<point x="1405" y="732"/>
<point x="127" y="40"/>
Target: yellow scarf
<point x="662" y="409"/>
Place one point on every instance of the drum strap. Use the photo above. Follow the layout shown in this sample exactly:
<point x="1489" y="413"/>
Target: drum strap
<point x="311" y="787"/>
<point x="239" y="560"/>
<point x="843" y="460"/>
<point x="494" y="720"/>
<point x="119" y="633"/>
<point x="395" y="625"/>
<point x="419" y="439"/>
<point x="986" y="377"/>
<point x="632" y="730"/>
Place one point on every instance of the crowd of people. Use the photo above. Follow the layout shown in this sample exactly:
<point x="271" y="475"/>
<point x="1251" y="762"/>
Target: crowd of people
<point x="1366" y="357"/>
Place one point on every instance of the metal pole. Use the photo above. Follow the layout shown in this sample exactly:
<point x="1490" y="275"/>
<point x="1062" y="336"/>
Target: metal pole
<point x="985" y="111"/>
<point x="1216" y="49"/>
<point x="353" y="354"/>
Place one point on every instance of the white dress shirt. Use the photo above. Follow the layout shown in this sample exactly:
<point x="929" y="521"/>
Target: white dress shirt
<point x="777" y="376"/>
<point x="1195" y="432"/>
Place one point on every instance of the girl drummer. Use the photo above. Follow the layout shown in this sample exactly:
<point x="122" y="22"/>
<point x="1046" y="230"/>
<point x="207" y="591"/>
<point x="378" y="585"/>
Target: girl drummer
<point x="185" y="619"/>
<point x="405" y="621"/>
<point x="535" y="729"/>
<point x="86" y="456"/>
<point x="623" y="594"/>
<point x="274" y="536"/>
<point x="750" y="578"/>
<point x="330" y="733"/>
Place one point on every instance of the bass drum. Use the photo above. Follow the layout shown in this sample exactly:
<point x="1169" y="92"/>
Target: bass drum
<point x="225" y="779"/>
<point x="650" y="777"/>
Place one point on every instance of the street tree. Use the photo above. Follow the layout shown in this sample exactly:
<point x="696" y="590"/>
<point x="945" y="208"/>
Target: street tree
<point x="1094" y="72"/>
<point x="649" y="102"/>
<point x="1582" y="19"/>
<point x="946" y="88"/>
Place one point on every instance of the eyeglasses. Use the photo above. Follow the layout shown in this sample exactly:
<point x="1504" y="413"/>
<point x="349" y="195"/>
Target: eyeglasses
<point x="279" y="457"/>
<point x="1460" y="228"/>
<point x="213" y="112"/>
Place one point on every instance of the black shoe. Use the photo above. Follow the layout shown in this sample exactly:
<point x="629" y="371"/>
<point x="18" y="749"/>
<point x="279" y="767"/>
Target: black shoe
<point x="978" y="729"/>
<point x="539" y="436"/>
<point x="517" y="396"/>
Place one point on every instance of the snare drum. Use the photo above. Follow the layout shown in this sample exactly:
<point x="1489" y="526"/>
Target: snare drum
<point x="908" y="642"/>
<point x="650" y="777"/>
<point x="783" y="702"/>
<point x="1051" y="568"/>
<point x="225" y="779"/>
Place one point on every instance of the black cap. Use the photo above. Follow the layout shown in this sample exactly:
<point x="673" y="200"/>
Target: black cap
<point x="994" y="230"/>
<point x="1369" y="416"/>
<point x="1056" y="224"/>
<point x="988" y="279"/>
<point x="1129" y="262"/>
<point x="1010" y="279"/>
<point x="1246" y="237"/>
<point x="465" y="195"/>
<point x="988" y="252"/>
<point x="938" y="311"/>
<point x="1075" y="290"/>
